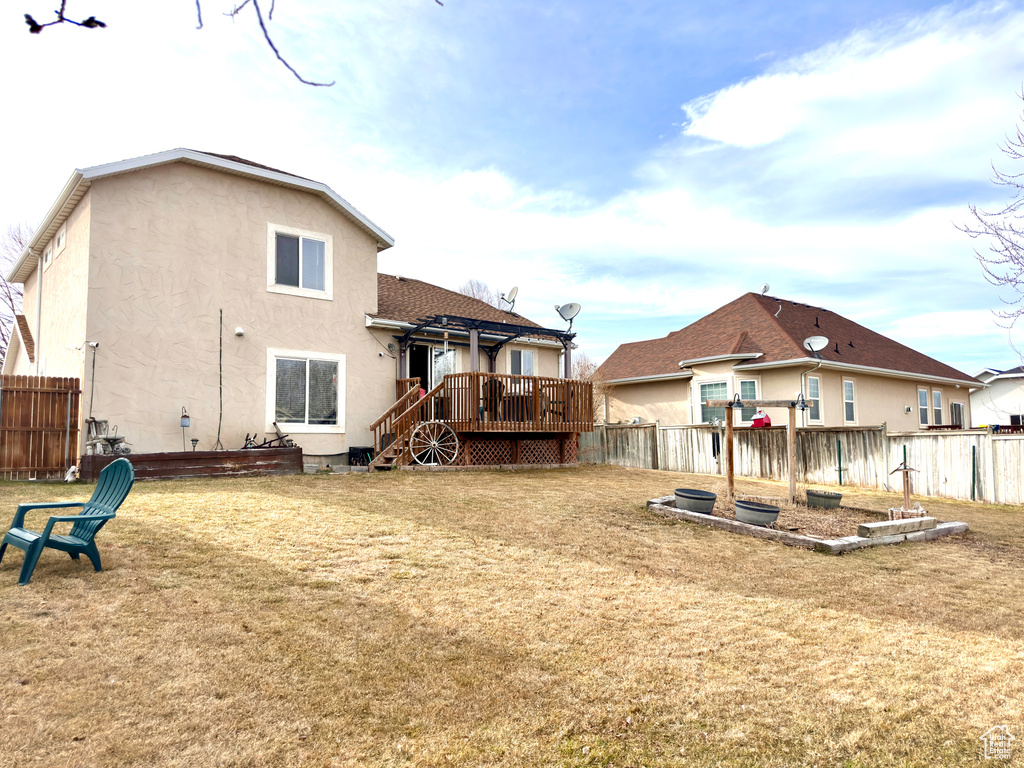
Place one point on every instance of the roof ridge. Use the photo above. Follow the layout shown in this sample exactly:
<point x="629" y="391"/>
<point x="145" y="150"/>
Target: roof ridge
<point x="774" y="318"/>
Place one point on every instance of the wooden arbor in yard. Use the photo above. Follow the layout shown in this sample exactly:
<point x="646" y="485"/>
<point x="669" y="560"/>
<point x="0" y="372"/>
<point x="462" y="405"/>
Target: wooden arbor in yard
<point x="792" y="406"/>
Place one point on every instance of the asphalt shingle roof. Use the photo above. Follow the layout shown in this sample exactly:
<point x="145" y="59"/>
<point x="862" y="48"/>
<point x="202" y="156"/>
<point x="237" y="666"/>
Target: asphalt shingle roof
<point x="772" y="329"/>
<point x="407" y="300"/>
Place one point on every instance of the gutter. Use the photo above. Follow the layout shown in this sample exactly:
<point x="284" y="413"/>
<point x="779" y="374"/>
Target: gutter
<point x="656" y="377"/>
<point x="888" y="372"/>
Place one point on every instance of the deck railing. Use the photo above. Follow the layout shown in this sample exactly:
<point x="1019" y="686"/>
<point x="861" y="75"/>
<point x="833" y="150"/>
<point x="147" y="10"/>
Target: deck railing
<point x="496" y="402"/>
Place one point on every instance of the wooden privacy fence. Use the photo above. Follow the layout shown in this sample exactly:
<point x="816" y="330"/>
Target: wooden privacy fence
<point x="959" y="465"/>
<point x="39" y="418"/>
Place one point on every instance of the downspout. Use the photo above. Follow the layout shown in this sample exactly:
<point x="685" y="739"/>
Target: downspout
<point x="39" y="312"/>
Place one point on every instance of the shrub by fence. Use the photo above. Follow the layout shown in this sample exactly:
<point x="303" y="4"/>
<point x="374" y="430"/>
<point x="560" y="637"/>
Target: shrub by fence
<point x="960" y="465"/>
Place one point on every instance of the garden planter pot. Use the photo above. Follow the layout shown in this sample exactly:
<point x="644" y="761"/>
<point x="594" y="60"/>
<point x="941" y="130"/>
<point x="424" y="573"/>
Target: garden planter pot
<point x="823" y="499"/>
<point x="755" y="513"/>
<point x="695" y="501"/>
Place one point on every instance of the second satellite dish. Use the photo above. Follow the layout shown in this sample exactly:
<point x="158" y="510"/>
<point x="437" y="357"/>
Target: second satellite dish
<point x="568" y="311"/>
<point x="510" y="299"/>
<point x="815" y="343"/>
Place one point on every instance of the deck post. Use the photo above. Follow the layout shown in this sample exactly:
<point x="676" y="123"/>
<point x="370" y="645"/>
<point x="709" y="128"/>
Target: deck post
<point x="568" y="358"/>
<point x="474" y="350"/>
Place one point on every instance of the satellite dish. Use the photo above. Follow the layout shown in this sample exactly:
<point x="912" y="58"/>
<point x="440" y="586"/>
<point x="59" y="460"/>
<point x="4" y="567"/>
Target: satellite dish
<point x="510" y="299"/>
<point x="568" y="311"/>
<point x="815" y="343"/>
<point x="764" y="288"/>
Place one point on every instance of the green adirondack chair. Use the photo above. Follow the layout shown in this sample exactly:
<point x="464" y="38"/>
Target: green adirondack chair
<point x="115" y="481"/>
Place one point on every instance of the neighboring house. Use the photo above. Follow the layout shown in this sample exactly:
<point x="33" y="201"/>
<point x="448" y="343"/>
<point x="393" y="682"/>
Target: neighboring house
<point x="1002" y="401"/>
<point x="753" y="347"/>
<point x="239" y="293"/>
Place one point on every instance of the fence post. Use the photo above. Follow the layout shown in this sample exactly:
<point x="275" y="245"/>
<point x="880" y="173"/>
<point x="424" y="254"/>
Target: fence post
<point x="974" y="470"/>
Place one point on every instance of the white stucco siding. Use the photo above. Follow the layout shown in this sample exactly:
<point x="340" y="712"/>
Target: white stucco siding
<point x="173" y="245"/>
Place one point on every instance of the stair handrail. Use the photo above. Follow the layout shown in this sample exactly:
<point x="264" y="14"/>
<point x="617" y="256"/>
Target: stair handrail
<point x="405" y="422"/>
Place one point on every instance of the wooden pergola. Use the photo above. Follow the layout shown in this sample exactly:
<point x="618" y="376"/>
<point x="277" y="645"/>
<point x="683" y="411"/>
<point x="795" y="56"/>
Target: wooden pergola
<point x="791" y="405"/>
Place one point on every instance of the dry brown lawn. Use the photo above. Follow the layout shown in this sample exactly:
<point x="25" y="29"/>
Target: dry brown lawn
<point x="500" y="619"/>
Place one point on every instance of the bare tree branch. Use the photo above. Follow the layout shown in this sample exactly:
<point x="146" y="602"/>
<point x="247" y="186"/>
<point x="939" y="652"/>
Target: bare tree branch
<point x="12" y="245"/>
<point x="34" y="27"/>
<point x="1003" y="229"/>
<point x="480" y="290"/>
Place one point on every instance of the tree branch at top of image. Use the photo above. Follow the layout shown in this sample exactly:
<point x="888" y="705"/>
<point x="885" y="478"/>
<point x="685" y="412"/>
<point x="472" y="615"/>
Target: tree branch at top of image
<point x="91" y="22"/>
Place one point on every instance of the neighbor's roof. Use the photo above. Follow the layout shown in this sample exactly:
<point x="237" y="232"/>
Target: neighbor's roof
<point x="82" y="179"/>
<point x="405" y="300"/>
<point x="762" y="331"/>
<point x="991" y="374"/>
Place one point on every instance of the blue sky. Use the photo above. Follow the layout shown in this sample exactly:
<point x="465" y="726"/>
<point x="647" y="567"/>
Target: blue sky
<point x="650" y="160"/>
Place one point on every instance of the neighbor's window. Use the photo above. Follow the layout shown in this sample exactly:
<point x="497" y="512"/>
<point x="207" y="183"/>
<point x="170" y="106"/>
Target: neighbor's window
<point x="47" y="257"/>
<point x="61" y="239"/>
<point x="715" y="391"/>
<point x="522" y="362"/>
<point x="937" y="405"/>
<point x="956" y="414"/>
<point x="748" y="391"/>
<point x="813" y="398"/>
<point x="848" y="402"/>
<point x="306" y="390"/>
<point x="299" y="262"/>
<point x="922" y="406"/>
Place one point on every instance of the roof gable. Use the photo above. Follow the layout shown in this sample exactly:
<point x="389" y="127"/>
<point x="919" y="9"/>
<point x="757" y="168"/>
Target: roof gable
<point x="80" y="181"/>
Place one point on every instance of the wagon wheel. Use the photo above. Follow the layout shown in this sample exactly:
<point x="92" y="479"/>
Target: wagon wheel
<point x="434" y="442"/>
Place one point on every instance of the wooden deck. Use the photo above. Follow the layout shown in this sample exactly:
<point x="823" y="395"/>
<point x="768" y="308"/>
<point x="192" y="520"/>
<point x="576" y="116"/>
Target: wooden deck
<point x="489" y="406"/>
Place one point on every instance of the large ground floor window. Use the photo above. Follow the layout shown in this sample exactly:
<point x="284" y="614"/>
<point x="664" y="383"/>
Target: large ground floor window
<point x="306" y="390"/>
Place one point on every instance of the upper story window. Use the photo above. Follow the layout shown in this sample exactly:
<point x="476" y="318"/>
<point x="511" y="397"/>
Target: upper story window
<point x="62" y="237"/>
<point x="47" y="256"/>
<point x="814" y="398"/>
<point x="922" y="406"/>
<point x="522" y="362"/>
<point x="299" y="262"/>
<point x="937" y="405"/>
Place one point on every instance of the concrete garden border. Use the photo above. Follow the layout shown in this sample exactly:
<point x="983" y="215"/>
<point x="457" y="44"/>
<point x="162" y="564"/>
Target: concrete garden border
<point x="914" y="529"/>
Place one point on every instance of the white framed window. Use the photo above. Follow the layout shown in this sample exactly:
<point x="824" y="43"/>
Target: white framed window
<point x="306" y="390"/>
<point x="748" y="391"/>
<point x="47" y="256"/>
<point x="849" y="402"/>
<point x="956" y="414"/>
<point x="712" y="390"/>
<point x="814" y="399"/>
<point x="922" y="406"/>
<point x="937" y="406"/>
<point x="299" y="262"/>
<point x="62" y="237"/>
<point x="521" y="362"/>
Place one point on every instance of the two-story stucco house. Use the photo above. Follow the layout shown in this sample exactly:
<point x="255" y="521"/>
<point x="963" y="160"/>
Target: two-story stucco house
<point x="754" y="347"/>
<point x="193" y="282"/>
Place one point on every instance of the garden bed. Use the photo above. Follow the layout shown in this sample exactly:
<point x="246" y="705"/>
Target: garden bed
<point x="833" y="530"/>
